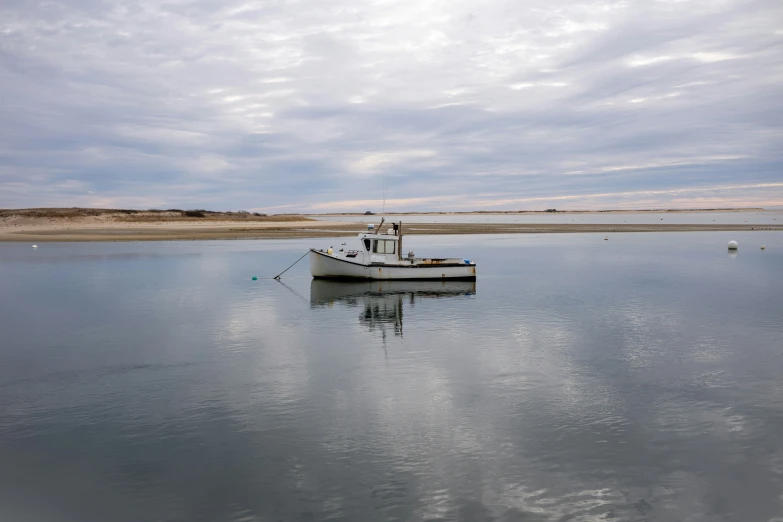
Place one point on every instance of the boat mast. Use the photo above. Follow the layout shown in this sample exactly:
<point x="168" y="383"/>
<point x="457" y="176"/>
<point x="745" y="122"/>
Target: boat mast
<point x="383" y="209"/>
<point x="399" y="241"/>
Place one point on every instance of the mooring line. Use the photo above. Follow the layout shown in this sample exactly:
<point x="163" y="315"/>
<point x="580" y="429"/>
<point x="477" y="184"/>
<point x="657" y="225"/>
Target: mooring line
<point x="290" y="267"/>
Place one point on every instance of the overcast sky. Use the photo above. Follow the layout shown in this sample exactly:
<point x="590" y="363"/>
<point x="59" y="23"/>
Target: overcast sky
<point x="314" y="105"/>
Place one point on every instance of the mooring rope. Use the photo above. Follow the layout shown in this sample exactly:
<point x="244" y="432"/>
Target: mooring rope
<point x="290" y="267"/>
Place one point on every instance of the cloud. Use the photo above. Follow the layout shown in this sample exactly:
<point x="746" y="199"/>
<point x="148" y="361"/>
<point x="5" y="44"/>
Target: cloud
<point x="183" y="103"/>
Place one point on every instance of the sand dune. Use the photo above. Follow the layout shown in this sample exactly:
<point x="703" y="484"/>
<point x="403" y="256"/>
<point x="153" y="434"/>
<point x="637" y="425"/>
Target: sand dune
<point x="114" y="226"/>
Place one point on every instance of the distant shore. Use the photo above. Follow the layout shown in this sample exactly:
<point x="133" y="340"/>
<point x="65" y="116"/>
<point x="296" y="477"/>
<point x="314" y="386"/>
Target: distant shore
<point x="551" y="211"/>
<point x="45" y="225"/>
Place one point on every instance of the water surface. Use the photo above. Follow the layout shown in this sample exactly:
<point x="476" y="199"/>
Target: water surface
<point x="578" y="379"/>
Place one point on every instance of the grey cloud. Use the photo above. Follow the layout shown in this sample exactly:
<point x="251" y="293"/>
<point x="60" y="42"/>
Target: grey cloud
<point x="306" y="103"/>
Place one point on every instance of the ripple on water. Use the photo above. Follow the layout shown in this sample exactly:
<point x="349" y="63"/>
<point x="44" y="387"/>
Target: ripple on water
<point x="573" y="383"/>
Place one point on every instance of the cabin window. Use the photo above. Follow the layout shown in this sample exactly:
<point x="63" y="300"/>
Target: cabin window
<point x="367" y="245"/>
<point x="381" y="246"/>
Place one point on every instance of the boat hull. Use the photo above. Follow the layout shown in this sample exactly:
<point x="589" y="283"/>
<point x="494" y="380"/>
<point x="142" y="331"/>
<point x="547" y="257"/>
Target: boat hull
<point x="324" y="266"/>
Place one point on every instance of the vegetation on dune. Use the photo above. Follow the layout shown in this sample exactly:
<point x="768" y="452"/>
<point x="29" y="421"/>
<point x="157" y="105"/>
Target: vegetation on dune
<point x="132" y="215"/>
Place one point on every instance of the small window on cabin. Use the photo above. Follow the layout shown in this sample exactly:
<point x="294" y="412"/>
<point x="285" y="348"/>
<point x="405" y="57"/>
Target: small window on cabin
<point x="381" y="246"/>
<point x="367" y="245"/>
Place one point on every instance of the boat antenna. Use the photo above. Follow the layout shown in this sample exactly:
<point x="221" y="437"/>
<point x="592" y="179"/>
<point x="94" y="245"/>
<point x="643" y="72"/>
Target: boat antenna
<point x="383" y="209"/>
<point x="385" y="186"/>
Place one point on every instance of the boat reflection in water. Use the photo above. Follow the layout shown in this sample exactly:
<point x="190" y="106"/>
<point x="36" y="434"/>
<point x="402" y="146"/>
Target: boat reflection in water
<point x="382" y="301"/>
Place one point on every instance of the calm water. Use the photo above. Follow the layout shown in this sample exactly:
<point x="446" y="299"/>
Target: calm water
<point x="637" y="379"/>
<point x="768" y="217"/>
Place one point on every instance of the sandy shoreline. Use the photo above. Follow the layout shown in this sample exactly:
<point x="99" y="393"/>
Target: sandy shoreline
<point x="79" y="224"/>
<point x="537" y="212"/>
<point x="196" y="230"/>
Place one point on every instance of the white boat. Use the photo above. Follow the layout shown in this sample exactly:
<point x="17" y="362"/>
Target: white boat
<point x="379" y="256"/>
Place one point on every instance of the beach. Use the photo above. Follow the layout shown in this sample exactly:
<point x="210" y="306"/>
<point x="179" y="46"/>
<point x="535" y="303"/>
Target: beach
<point x="165" y="231"/>
<point x="69" y="225"/>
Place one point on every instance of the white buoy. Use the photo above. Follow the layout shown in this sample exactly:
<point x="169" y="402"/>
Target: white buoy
<point x="35" y="246"/>
<point x="763" y="247"/>
<point x="733" y="245"/>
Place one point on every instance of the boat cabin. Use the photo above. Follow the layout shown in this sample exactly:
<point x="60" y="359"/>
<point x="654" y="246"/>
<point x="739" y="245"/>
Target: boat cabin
<point x="381" y="248"/>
